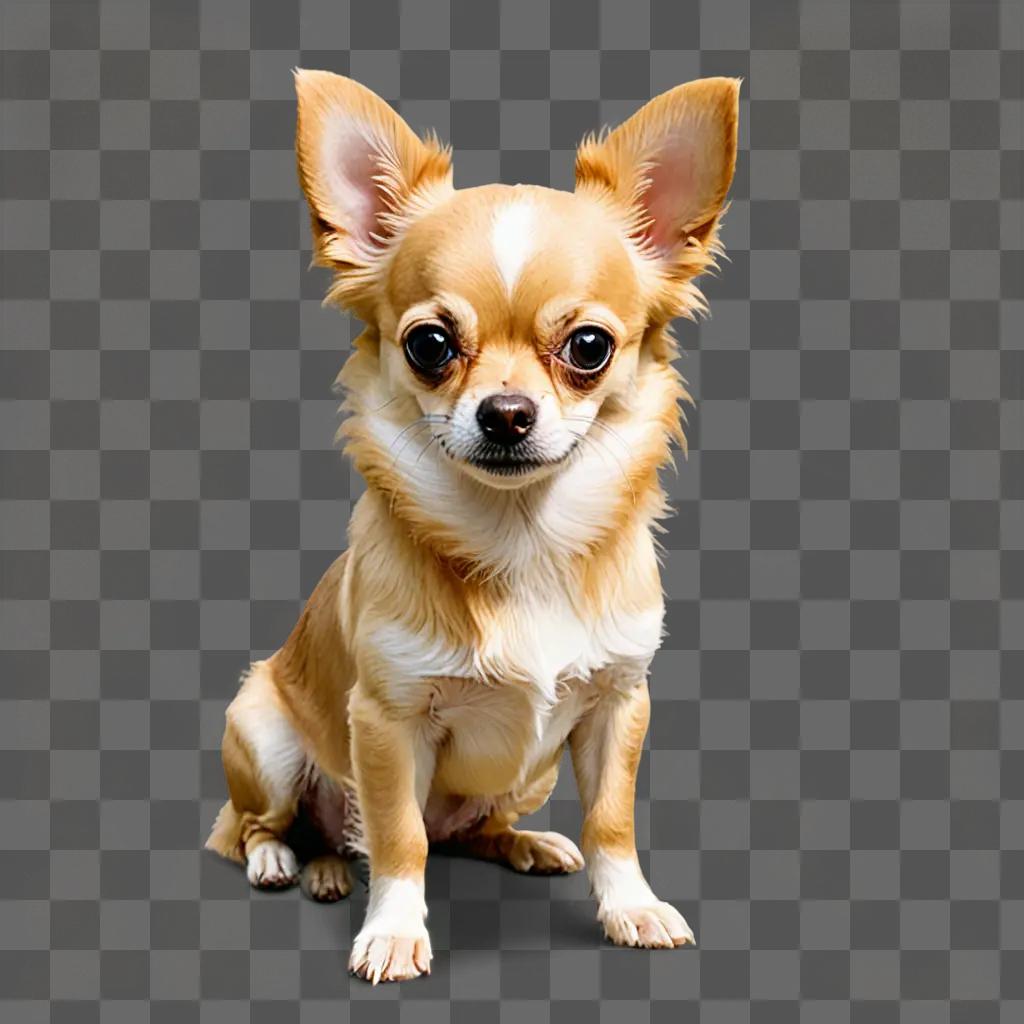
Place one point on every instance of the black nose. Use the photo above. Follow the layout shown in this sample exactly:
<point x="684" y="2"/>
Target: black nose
<point x="506" y="419"/>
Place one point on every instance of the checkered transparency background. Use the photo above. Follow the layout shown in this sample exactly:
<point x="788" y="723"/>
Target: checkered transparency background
<point x="834" y="791"/>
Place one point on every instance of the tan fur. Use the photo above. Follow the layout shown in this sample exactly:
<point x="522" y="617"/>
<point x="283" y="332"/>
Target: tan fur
<point x="475" y="626"/>
<point x="606" y="748"/>
<point x="251" y="816"/>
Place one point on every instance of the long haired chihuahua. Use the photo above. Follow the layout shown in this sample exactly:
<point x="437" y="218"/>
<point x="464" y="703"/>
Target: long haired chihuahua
<point x="511" y="401"/>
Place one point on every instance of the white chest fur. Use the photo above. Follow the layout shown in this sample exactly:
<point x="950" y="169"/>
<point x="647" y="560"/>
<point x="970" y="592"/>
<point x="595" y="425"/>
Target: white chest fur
<point x="500" y="711"/>
<point x="536" y="642"/>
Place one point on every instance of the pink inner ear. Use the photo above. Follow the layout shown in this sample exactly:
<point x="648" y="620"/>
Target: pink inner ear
<point x="671" y="194"/>
<point x="351" y="165"/>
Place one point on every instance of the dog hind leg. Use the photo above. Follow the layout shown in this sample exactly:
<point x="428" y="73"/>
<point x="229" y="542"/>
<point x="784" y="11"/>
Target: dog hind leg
<point x="264" y="764"/>
<point x="539" y="853"/>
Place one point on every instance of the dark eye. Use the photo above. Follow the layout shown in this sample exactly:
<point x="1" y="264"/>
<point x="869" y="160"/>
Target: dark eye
<point x="429" y="347"/>
<point x="588" y="349"/>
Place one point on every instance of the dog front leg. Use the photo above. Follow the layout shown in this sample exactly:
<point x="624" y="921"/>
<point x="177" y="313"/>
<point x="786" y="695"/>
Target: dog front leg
<point x="393" y="765"/>
<point x="606" y="747"/>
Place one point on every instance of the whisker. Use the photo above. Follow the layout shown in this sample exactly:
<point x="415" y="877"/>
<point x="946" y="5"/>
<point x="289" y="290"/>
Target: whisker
<point x="602" y="448"/>
<point x="420" y="427"/>
<point x="416" y="425"/>
<point x="410" y="471"/>
<point x="381" y="408"/>
<point x="605" y="427"/>
<point x="433" y="438"/>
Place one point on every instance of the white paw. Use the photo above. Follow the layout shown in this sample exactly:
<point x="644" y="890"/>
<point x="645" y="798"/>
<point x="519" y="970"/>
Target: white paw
<point x="655" y="925"/>
<point x="545" y="853"/>
<point x="390" y="957"/>
<point x="326" y="879"/>
<point x="272" y="865"/>
<point x="393" y="944"/>
<point x="630" y="912"/>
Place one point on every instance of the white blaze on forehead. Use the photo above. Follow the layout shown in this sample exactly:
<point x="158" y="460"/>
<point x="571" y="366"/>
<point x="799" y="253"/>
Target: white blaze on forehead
<point x="512" y="239"/>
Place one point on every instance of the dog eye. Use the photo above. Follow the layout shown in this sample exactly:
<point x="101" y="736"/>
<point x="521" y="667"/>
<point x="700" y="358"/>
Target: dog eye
<point x="587" y="349"/>
<point x="429" y="348"/>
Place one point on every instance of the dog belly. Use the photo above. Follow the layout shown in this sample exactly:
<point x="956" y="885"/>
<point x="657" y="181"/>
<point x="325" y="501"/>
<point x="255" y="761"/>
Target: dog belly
<point x="333" y="811"/>
<point x="498" y="752"/>
<point x="448" y="814"/>
<point x="466" y="768"/>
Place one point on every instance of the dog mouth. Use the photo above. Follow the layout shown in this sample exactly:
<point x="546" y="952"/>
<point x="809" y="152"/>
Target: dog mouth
<point x="500" y="461"/>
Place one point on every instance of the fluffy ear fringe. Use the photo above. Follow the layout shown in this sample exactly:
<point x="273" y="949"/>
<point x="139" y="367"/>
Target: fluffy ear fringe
<point x="617" y="168"/>
<point x="408" y="175"/>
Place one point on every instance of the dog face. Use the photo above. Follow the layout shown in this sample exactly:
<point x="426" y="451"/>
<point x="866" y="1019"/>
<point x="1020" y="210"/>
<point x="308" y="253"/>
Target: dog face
<point x="504" y="320"/>
<point x="514" y="313"/>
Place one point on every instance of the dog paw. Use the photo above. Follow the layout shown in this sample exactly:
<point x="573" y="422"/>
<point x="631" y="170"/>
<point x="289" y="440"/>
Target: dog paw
<point x="326" y="879"/>
<point x="272" y="865"/>
<point x="544" y="853"/>
<point x="390" y="957"/>
<point x="651" y="926"/>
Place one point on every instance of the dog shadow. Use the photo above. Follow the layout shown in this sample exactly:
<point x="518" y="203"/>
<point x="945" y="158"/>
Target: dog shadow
<point x="467" y="897"/>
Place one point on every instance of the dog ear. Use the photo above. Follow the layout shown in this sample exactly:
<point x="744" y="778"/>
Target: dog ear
<point x="364" y="171"/>
<point x="670" y="165"/>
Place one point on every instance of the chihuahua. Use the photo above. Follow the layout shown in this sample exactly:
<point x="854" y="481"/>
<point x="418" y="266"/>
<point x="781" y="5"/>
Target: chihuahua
<point x="510" y="403"/>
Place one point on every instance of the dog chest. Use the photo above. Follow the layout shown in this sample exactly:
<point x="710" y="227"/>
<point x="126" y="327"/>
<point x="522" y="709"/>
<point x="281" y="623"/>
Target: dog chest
<point x="499" y="711"/>
<point x="535" y="643"/>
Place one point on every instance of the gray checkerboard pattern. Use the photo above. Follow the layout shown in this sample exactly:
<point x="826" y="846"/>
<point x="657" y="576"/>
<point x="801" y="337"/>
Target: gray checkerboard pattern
<point x="834" y="787"/>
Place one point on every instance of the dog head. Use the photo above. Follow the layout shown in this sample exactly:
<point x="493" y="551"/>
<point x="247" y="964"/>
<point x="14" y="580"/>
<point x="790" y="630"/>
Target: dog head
<point x="504" y="322"/>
